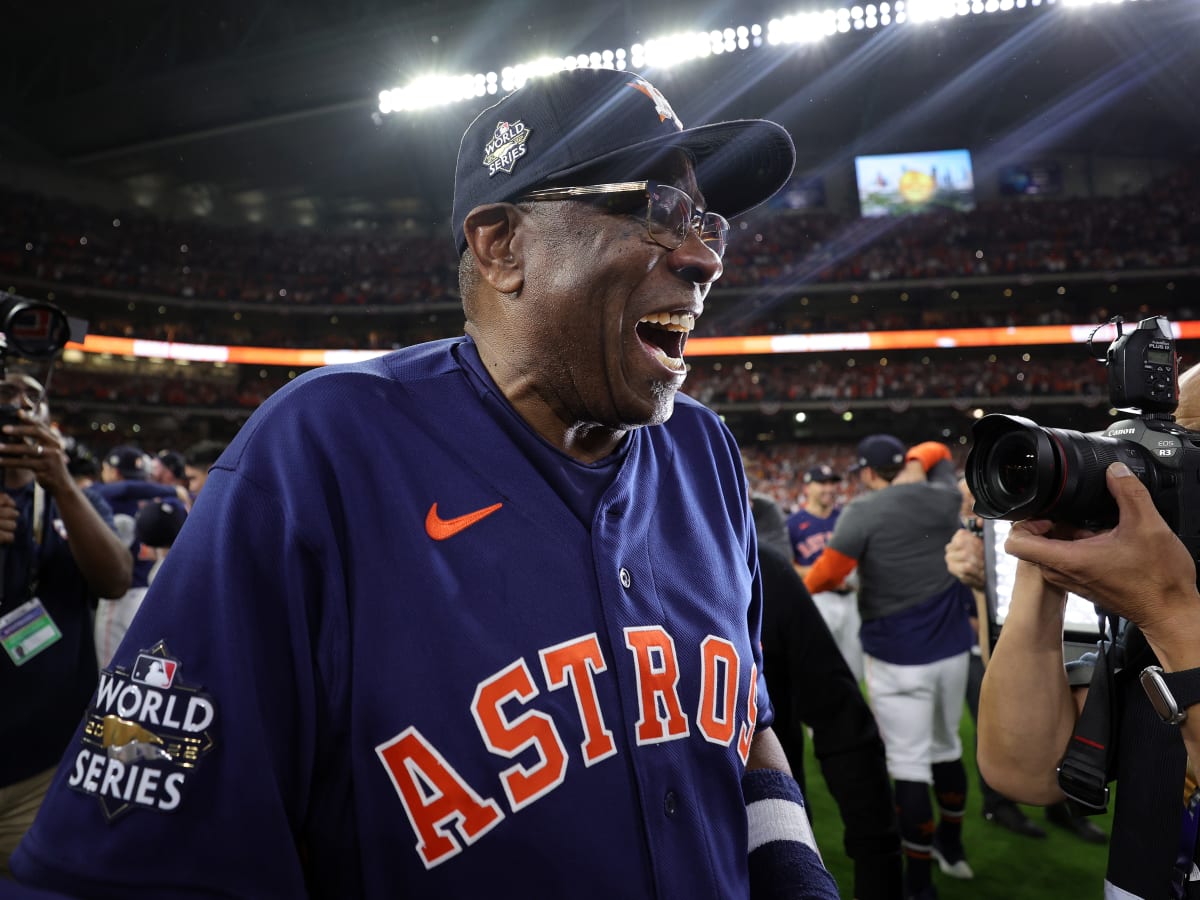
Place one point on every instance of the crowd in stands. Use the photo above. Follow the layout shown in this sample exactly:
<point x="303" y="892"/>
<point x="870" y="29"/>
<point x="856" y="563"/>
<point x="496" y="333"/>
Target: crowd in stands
<point x="1158" y="228"/>
<point x="768" y="380"/>
<point x="944" y="377"/>
<point x="54" y="241"/>
<point x="1090" y="303"/>
<point x="210" y="402"/>
<point x="152" y="273"/>
<point x="245" y="392"/>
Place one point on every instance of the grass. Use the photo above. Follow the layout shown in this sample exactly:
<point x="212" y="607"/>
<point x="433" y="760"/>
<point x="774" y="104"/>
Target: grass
<point x="1006" y="865"/>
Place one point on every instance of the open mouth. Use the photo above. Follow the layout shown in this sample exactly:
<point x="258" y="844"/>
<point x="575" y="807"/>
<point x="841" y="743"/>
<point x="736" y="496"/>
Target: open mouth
<point x="665" y="335"/>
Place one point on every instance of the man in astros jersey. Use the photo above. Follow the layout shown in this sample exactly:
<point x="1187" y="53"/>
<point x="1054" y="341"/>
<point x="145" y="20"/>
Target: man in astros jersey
<point x="480" y="617"/>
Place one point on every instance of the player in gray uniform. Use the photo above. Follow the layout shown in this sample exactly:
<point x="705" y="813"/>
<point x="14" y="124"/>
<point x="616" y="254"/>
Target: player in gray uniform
<point x="916" y="637"/>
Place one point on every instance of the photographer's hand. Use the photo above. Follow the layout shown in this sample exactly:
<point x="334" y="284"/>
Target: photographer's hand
<point x="34" y="446"/>
<point x="964" y="558"/>
<point x="1139" y="570"/>
<point x="32" y="449"/>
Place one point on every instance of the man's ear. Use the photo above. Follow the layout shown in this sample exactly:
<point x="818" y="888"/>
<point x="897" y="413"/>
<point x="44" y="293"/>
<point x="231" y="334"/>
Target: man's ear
<point x="491" y="233"/>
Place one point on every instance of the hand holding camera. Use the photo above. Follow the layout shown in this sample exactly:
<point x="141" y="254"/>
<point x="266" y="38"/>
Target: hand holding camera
<point x="35" y="446"/>
<point x="1020" y="470"/>
<point x="1138" y="570"/>
<point x="1127" y="544"/>
<point x="965" y="559"/>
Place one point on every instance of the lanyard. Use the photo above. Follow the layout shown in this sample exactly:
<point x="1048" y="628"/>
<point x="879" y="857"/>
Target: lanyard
<point x="38" y="527"/>
<point x="37" y="531"/>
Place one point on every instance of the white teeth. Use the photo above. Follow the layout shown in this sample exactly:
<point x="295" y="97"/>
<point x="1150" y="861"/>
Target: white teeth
<point x="676" y="365"/>
<point x="671" y="321"/>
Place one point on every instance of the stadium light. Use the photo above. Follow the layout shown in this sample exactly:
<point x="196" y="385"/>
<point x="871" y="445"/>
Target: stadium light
<point x="672" y="50"/>
<point x="805" y="28"/>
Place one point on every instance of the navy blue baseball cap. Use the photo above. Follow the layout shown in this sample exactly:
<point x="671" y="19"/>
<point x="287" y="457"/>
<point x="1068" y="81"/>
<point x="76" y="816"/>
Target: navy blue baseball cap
<point x="174" y="463"/>
<point x="879" y="451"/>
<point x="822" y="475"/>
<point x="129" y="461"/>
<point x="158" y="522"/>
<point x="609" y="123"/>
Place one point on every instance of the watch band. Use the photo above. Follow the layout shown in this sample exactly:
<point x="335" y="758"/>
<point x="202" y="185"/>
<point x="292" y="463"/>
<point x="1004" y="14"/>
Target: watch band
<point x="1171" y="693"/>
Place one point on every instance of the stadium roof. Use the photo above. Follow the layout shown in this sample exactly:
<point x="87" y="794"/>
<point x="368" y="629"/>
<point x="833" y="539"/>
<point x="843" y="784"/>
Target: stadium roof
<point x="235" y="105"/>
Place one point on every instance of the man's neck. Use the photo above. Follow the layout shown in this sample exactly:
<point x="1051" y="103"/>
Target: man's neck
<point x="819" y="509"/>
<point x="587" y="442"/>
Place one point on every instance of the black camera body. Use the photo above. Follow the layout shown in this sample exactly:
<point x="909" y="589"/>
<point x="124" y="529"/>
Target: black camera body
<point x="9" y="414"/>
<point x="1019" y="470"/>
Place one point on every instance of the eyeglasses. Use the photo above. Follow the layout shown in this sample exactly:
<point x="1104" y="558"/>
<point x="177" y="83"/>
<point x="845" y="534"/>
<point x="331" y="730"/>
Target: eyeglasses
<point x="670" y="212"/>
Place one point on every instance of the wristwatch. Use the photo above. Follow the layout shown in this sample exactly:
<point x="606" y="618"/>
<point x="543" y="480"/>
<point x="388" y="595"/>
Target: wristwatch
<point x="1171" y="693"/>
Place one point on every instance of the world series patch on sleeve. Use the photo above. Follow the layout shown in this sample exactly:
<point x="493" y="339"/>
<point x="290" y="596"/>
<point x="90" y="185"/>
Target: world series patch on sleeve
<point x="143" y="737"/>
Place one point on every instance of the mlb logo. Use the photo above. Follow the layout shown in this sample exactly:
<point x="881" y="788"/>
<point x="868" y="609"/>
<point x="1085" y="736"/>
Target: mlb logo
<point x="154" y="671"/>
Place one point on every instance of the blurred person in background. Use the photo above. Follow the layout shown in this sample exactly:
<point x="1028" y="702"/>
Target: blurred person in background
<point x="916" y="637"/>
<point x="59" y="552"/>
<point x="157" y="525"/>
<point x="809" y="530"/>
<point x="812" y="687"/>
<point x="170" y="468"/>
<point x="197" y="461"/>
<point x="81" y="462"/>
<point x="126" y="485"/>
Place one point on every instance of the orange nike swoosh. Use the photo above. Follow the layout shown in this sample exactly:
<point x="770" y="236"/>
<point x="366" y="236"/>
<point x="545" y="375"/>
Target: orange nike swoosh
<point x="439" y="529"/>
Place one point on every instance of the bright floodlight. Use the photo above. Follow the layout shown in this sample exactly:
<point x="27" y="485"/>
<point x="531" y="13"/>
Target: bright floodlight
<point x="805" y="28"/>
<point x="427" y="91"/>
<point x="662" y="53"/>
<point x="931" y="10"/>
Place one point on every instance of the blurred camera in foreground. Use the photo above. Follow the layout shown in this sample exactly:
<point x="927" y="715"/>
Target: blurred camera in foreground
<point x="1018" y="469"/>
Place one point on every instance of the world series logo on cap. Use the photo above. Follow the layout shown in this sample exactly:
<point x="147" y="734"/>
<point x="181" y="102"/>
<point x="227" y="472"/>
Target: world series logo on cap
<point x="506" y="147"/>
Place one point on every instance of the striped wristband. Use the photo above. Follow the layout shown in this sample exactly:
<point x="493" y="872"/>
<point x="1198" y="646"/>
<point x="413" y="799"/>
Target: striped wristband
<point x="784" y="860"/>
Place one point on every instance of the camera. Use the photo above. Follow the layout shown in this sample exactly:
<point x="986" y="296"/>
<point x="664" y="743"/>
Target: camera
<point x="1018" y="469"/>
<point x="37" y="331"/>
<point x="9" y="413"/>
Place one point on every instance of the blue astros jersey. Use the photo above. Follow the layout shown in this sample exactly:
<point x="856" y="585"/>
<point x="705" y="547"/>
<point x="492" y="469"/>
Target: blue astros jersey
<point x="809" y="534"/>
<point x="386" y="659"/>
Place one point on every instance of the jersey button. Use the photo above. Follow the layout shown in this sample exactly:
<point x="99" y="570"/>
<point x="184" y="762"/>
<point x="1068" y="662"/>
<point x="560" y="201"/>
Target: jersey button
<point x="626" y="579"/>
<point x="670" y="804"/>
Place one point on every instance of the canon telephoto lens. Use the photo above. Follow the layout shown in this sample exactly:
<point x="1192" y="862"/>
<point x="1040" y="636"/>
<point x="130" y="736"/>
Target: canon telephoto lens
<point x="1019" y="470"/>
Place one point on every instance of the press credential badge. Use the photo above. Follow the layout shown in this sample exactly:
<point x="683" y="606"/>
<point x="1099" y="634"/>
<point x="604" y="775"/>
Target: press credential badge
<point x="27" y="631"/>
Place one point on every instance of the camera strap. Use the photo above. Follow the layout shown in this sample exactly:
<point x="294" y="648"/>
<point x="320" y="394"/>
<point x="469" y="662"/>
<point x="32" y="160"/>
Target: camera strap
<point x="1083" y="772"/>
